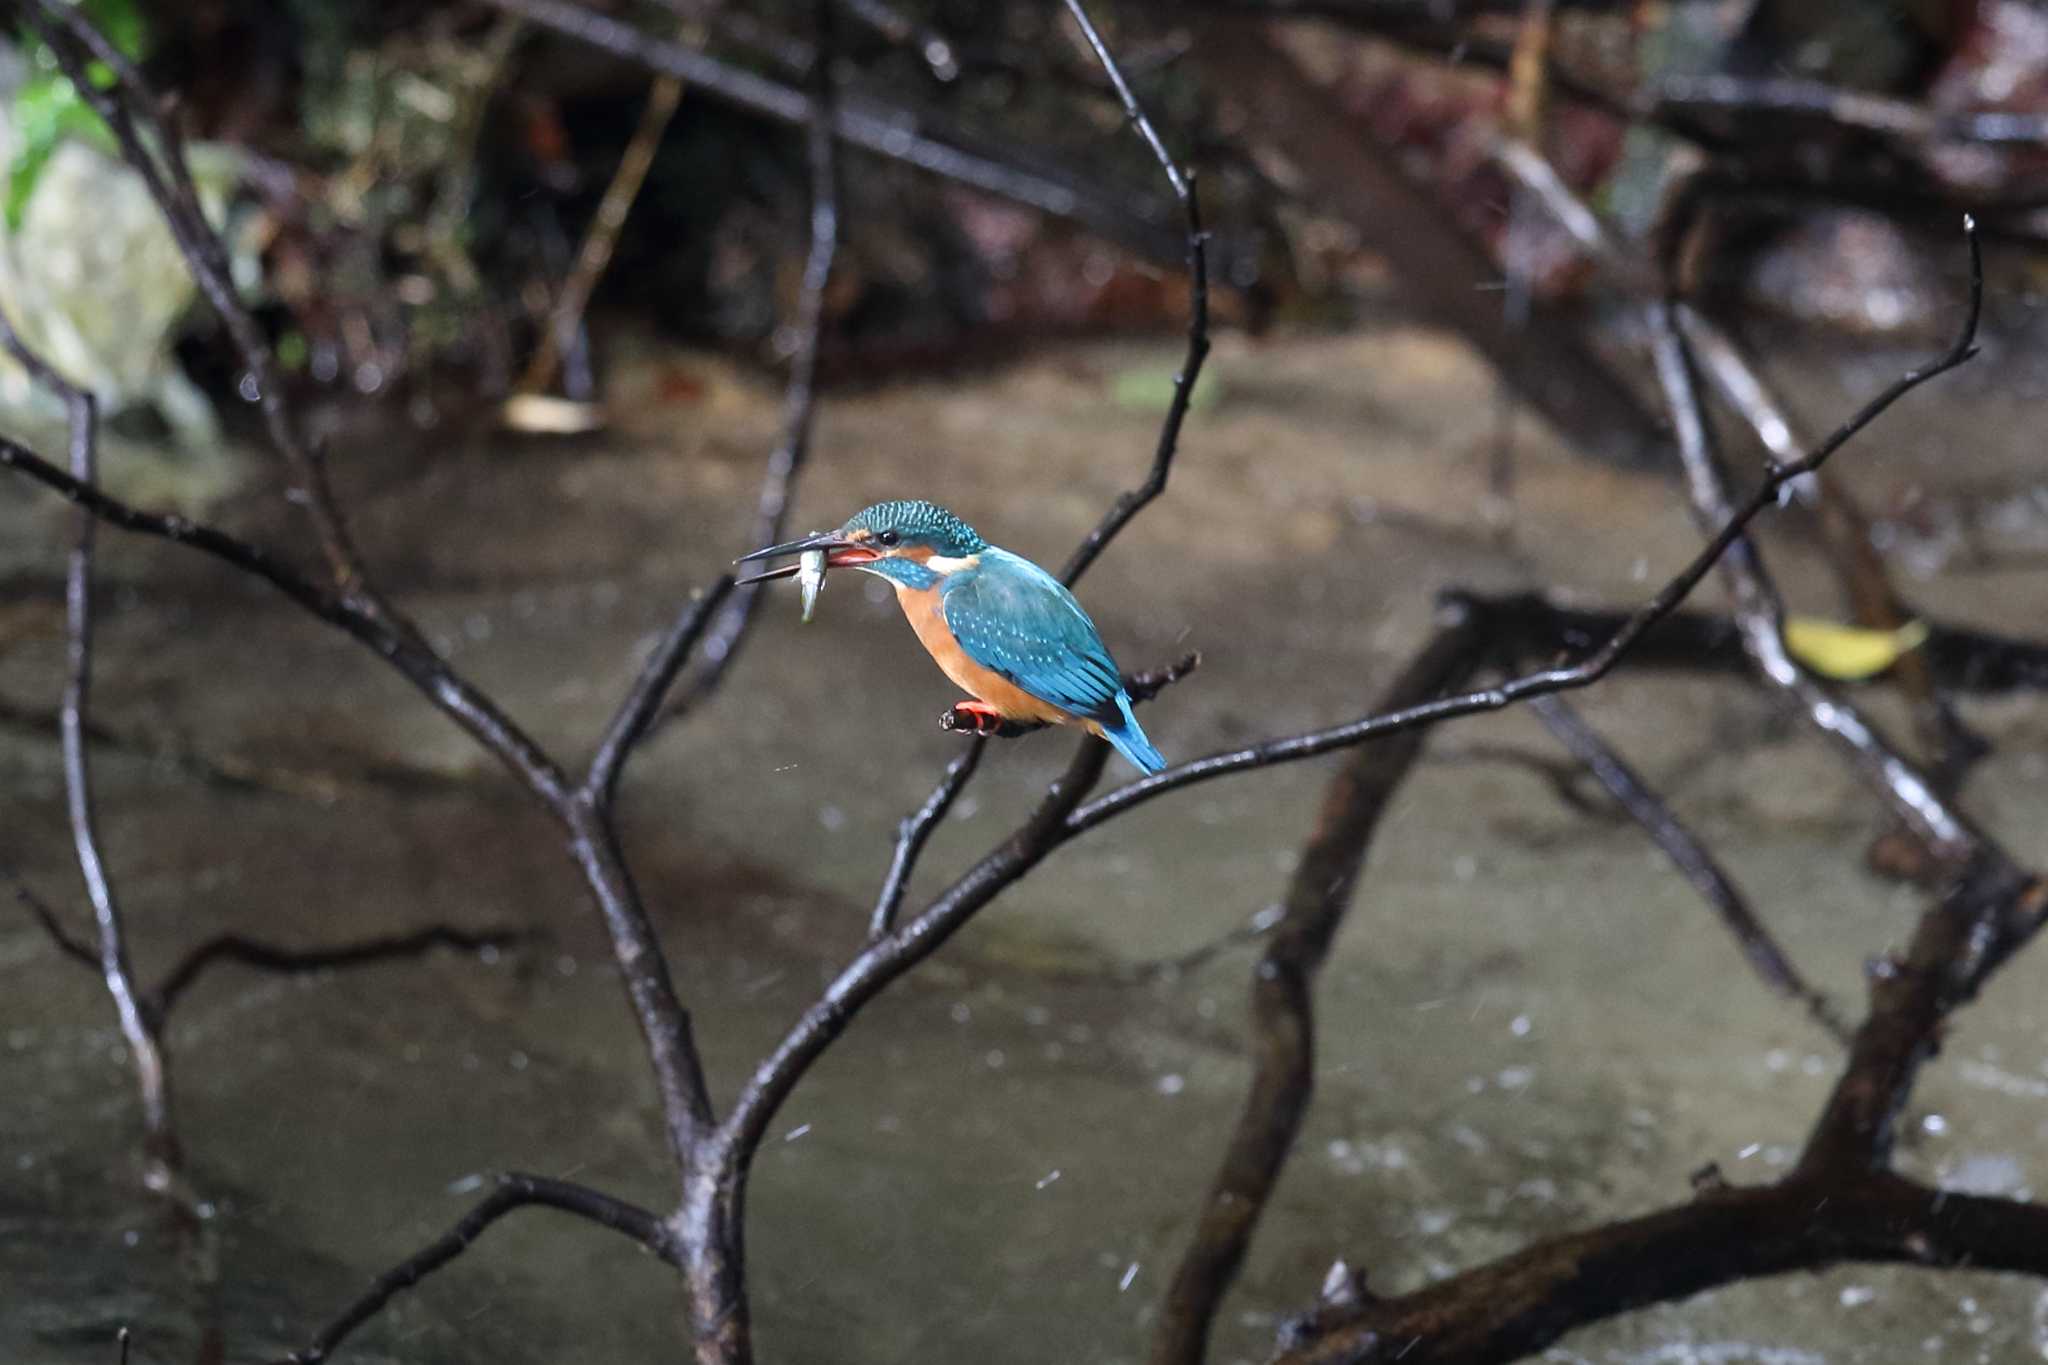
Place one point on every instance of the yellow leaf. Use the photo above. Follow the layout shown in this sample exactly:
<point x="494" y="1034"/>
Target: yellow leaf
<point x="1835" y="650"/>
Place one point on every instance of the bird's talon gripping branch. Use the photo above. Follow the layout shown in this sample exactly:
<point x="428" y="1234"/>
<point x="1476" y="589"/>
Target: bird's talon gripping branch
<point x="974" y="718"/>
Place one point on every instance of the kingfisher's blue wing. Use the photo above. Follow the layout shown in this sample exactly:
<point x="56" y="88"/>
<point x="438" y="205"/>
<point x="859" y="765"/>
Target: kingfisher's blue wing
<point x="1014" y="618"/>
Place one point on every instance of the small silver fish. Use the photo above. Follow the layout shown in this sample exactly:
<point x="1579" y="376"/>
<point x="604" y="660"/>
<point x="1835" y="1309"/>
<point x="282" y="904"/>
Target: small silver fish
<point x="810" y="577"/>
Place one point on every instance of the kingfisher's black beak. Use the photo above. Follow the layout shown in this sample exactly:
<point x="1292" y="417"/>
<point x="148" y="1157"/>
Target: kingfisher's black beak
<point x="839" y="552"/>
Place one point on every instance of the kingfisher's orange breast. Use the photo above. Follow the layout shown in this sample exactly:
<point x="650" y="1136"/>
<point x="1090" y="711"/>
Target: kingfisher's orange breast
<point x="927" y="617"/>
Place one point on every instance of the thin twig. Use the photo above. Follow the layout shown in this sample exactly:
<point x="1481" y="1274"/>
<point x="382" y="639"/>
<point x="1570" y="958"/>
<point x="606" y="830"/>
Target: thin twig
<point x="66" y="942"/>
<point x="915" y="829"/>
<point x="512" y="1191"/>
<point x="915" y="138"/>
<point x="1594" y="664"/>
<point x="74" y="721"/>
<point x="912" y="832"/>
<point x="1692" y="859"/>
<point x="800" y="396"/>
<point x="129" y="109"/>
<point x="271" y="957"/>
<point x="629" y="724"/>
<point x="1129" y="504"/>
<point x="1911" y="794"/>
<point x="163" y="1159"/>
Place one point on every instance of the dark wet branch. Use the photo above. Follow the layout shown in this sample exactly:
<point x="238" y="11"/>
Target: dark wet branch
<point x="1530" y="626"/>
<point x="1701" y="870"/>
<point x="271" y="957"/>
<point x="1512" y="1308"/>
<point x="138" y="1028"/>
<point x="1911" y="794"/>
<point x="800" y="397"/>
<point x="426" y="670"/>
<point x="66" y="942"/>
<point x="636" y="714"/>
<point x="714" y="1208"/>
<point x="164" y="1172"/>
<point x="157" y="1004"/>
<point x="915" y="138"/>
<point x="1917" y="799"/>
<point x="914" y="830"/>
<point x="1130" y="503"/>
<point x="1593" y="664"/>
<point x="881" y="962"/>
<point x="1841" y="1203"/>
<point x="1984" y="917"/>
<point x="513" y="1191"/>
<point x="1762" y="104"/>
<point x="153" y="149"/>
<point x="1282" y="1003"/>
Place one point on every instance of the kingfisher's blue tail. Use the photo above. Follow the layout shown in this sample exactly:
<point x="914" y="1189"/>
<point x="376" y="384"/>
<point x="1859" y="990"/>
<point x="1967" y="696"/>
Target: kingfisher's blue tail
<point x="1128" y="738"/>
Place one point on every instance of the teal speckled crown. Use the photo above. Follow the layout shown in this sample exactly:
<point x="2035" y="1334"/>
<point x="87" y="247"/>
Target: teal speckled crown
<point x="922" y="523"/>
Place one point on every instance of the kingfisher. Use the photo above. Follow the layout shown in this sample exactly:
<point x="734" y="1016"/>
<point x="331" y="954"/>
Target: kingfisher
<point x="1005" y="631"/>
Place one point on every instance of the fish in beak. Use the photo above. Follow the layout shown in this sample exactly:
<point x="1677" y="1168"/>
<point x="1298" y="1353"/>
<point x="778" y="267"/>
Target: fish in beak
<point x="815" y="553"/>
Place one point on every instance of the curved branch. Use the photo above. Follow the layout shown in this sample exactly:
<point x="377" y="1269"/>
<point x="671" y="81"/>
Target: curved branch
<point x="271" y="957"/>
<point x="800" y="396"/>
<point x="514" y="1191"/>
<point x="1593" y="665"/>
<point x="1692" y="859"/>
<point x="1514" y="1307"/>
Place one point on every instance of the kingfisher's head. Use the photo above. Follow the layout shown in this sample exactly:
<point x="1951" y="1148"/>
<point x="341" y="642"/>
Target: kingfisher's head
<point x="909" y="542"/>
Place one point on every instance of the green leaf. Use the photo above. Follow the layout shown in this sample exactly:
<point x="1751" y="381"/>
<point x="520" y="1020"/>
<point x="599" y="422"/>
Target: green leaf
<point x="46" y="111"/>
<point x="122" y="22"/>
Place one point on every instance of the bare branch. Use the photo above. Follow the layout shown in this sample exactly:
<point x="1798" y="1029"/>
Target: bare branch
<point x="1692" y="859"/>
<point x="512" y="1191"/>
<point x="1913" y="797"/>
<point x="130" y="108"/>
<point x="914" y="830"/>
<point x="799" y="401"/>
<point x="637" y="712"/>
<point x="915" y="138"/>
<point x="1984" y="917"/>
<point x="1840" y="1204"/>
<point x="1593" y="665"/>
<point x="74" y="720"/>
<point x="448" y="691"/>
<point x="66" y="942"/>
<point x="1512" y="1308"/>
<point x="272" y="957"/>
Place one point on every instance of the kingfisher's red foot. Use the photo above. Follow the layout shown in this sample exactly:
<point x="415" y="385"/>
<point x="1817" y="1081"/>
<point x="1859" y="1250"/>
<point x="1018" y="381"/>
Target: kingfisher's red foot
<point x="979" y="718"/>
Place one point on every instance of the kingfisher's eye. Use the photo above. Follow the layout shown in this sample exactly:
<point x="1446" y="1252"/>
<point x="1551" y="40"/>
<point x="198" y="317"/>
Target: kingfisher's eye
<point x="889" y="537"/>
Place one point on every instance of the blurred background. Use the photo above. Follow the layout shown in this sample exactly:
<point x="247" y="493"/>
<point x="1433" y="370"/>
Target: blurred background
<point x="533" y="273"/>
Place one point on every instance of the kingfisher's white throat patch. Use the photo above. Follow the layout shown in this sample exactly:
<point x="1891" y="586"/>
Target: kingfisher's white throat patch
<point x="942" y="564"/>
